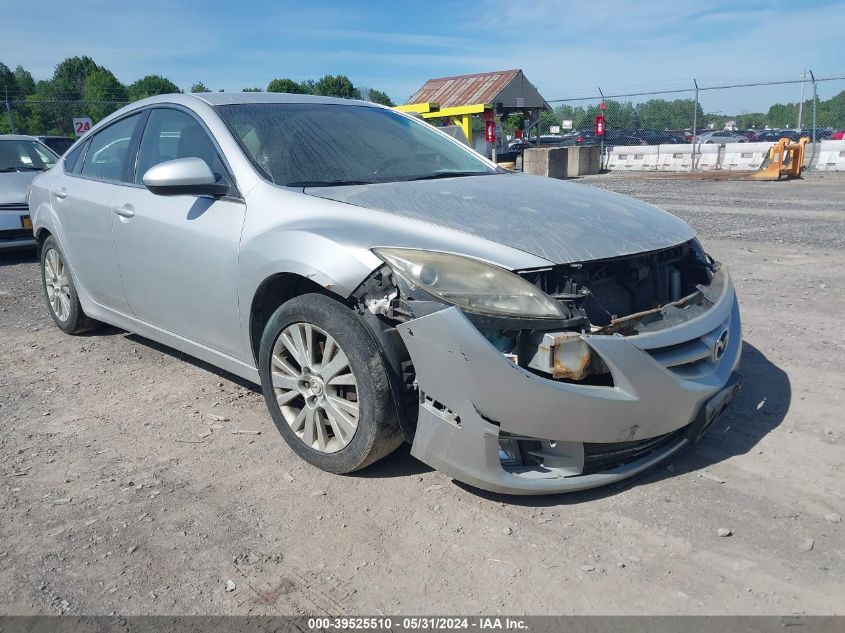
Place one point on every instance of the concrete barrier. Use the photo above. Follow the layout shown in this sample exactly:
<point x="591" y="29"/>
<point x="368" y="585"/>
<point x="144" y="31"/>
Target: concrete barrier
<point x="633" y="158"/>
<point x="674" y="157"/>
<point x="545" y="161"/>
<point x="582" y="160"/>
<point x="744" y="156"/>
<point x="707" y="157"/>
<point x="831" y="156"/>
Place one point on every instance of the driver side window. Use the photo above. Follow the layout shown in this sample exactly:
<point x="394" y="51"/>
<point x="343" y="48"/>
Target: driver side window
<point x="171" y="134"/>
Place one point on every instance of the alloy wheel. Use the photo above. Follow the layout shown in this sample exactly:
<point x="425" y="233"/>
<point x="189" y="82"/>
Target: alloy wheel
<point x="57" y="282"/>
<point x="315" y="387"/>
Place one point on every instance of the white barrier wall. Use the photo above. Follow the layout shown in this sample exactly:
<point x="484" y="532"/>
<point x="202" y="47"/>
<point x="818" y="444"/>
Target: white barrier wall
<point x="831" y="156"/>
<point x="633" y="158"/>
<point x="707" y="157"/>
<point x="744" y="156"/>
<point x="674" y="157"/>
<point x="824" y="155"/>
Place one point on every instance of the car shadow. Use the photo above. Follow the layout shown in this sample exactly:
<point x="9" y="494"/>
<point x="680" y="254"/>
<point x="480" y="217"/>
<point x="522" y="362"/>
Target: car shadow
<point x="15" y="256"/>
<point x="187" y="358"/>
<point x="758" y="408"/>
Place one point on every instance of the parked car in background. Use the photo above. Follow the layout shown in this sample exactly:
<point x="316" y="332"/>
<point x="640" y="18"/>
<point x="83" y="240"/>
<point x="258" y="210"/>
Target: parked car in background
<point x="21" y="159"/>
<point x="822" y="134"/>
<point x="721" y="137"/>
<point x="383" y="282"/>
<point x="837" y="135"/>
<point x="59" y="144"/>
<point x="773" y="136"/>
<point x="610" y="138"/>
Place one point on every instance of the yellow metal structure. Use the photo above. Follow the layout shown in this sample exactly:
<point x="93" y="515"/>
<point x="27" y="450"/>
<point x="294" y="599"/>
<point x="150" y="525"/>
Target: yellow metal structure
<point x="785" y="158"/>
<point x="460" y="115"/>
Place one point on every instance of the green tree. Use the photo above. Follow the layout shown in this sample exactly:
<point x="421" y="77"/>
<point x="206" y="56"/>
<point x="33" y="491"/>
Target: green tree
<point x="256" y="89"/>
<point x="335" y="86"/>
<point x="377" y="96"/>
<point x="8" y="85"/>
<point x="26" y="84"/>
<point x="70" y="76"/>
<point x="285" y="85"/>
<point x="101" y="88"/>
<point x="200" y="87"/>
<point x="149" y="86"/>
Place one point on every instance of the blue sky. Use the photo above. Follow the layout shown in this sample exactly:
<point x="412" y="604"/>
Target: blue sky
<point x="565" y="48"/>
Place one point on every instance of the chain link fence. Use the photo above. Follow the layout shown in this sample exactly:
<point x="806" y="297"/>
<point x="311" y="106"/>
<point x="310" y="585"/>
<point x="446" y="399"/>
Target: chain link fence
<point x="699" y="115"/>
<point x="703" y="115"/>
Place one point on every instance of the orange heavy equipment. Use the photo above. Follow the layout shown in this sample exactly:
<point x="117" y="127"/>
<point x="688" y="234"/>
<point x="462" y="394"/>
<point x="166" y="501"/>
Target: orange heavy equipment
<point x="785" y="158"/>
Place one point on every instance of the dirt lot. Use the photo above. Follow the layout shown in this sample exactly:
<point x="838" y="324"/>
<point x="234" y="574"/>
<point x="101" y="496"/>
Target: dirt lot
<point x="126" y="486"/>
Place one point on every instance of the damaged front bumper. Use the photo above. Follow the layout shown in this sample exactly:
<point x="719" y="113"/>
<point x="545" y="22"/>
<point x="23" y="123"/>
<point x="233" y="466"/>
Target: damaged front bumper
<point x="478" y="409"/>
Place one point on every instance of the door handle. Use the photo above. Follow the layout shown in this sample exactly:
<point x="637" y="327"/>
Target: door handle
<point x="124" y="211"/>
<point x="61" y="194"/>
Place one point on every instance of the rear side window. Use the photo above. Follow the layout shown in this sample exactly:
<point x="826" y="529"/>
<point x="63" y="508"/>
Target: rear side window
<point x="108" y="151"/>
<point x="170" y="134"/>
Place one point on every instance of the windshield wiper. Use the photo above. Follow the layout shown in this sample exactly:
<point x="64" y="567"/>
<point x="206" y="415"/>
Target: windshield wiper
<point x="448" y="174"/>
<point x="327" y="183"/>
<point x="31" y="168"/>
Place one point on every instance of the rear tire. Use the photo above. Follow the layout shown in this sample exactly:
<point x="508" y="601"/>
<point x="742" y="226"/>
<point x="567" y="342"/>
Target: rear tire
<point x="60" y="293"/>
<point x="326" y="385"/>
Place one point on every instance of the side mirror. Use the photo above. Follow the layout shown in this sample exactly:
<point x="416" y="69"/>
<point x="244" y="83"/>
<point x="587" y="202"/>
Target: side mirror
<point x="184" y="177"/>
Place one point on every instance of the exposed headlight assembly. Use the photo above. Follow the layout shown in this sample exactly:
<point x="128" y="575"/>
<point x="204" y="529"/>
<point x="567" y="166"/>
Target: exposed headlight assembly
<point x="471" y="284"/>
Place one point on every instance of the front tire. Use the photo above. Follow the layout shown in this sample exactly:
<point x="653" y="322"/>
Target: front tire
<point x="60" y="293"/>
<point x="326" y="385"/>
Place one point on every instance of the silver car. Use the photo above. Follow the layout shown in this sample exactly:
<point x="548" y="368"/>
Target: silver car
<point x="21" y="158"/>
<point x="384" y="283"/>
<point x="720" y="137"/>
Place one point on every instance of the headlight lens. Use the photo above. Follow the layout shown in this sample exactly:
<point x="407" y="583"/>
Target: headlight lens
<point x="470" y="283"/>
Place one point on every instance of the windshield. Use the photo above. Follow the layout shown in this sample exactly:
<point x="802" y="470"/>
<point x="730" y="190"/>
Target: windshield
<point x="25" y="155"/>
<point x="312" y="145"/>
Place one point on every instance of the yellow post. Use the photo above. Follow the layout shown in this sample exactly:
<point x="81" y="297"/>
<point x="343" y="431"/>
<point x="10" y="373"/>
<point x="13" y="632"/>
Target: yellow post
<point x="466" y="124"/>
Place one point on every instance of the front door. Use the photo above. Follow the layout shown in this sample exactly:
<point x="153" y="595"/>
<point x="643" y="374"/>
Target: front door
<point x="178" y="255"/>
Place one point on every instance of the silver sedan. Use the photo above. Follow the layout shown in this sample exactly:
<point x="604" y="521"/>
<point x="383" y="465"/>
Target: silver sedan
<point x="384" y="283"/>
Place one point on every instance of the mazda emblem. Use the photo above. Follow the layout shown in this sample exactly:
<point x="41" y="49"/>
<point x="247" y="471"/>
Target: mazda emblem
<point x="720" y="345"/>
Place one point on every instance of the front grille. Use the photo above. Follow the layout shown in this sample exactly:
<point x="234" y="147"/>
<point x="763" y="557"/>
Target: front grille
<point x="607" y="456"/>
<point x="690" y="359"/>
<point x="15" y="206"/>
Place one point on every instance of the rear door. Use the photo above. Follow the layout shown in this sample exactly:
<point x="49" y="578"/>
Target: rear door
<point x="82" y="203"/>
<point x="178" y="255"/>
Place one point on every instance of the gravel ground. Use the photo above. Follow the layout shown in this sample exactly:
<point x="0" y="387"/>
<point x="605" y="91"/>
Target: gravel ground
<point x="137" y="480"/>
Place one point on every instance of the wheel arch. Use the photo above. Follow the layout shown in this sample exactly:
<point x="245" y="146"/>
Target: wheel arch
<point x="40" y="237"/>
<point x="275" y="290"/>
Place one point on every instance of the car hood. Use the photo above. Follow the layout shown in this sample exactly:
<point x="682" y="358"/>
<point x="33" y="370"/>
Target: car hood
<point x="13" y="186"/>
<point x="560" y="221"/>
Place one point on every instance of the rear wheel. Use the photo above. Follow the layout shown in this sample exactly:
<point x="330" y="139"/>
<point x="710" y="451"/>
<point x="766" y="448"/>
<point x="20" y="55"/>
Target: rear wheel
<point x="326" y="385"/>
<point x="62" y="300"/>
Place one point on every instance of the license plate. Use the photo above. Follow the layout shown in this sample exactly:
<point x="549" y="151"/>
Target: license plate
<point x="26" y="222"/>
<point x="714" y="407"/>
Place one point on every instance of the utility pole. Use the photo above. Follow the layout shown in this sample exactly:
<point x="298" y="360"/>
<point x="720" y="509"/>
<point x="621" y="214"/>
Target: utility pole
<point x="815" y="98"/>
<point x="694" y="124"/>
<point x="801" y="102"/>
<point x="601" y="140"/>
<point x="9" y="113"/>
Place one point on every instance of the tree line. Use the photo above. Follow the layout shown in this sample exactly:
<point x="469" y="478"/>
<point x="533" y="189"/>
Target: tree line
<point x="81" y="87"/>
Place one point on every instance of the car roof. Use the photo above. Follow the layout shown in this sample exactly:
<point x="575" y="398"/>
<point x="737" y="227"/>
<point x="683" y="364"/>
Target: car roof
<point x="231" y="98"/>
<point x="17" y="137"/>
